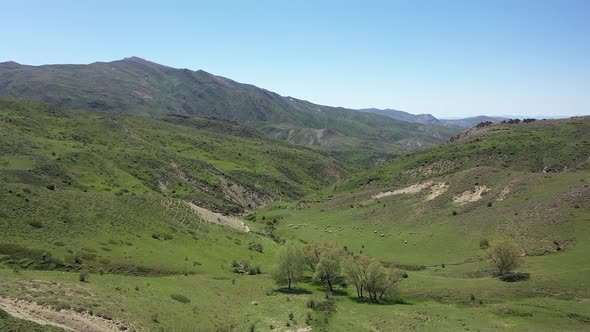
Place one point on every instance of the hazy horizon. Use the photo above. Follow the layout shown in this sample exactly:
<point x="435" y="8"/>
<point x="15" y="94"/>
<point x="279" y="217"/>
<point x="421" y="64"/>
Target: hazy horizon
<point x="448" y="59"/>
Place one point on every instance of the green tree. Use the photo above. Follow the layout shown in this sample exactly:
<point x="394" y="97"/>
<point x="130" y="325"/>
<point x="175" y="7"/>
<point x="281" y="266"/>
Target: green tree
<point x="290" y="266"/>
<point x="328" y="268"/>
<point x="313" y="251"/>
<point x="504" y="254"/>
<point x="355" y="268"/>
<point x="380" y="281"/>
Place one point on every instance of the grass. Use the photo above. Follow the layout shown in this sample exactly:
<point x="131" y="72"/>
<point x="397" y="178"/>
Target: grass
<point x="76" y="199"/>
<point x="198" y="159"/>
<point x="9" y="323"/>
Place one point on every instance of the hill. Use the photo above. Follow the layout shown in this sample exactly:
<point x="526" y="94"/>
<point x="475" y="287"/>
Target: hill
<point x="137" y="86"/>
<point x="404" y="116"/>
<point x="548" y="146"/>
<point x="429" y="119"/>
<point x="434" y="212"/>
<point x="115" y="218"/>
<point x="215" y="163"/>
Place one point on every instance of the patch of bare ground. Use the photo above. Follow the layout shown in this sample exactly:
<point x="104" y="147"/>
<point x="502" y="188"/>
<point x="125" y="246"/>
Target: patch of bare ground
<point x="435" y="189"/>
<point x="218" y="218"/>
<point x="68" y="320"/>
<point x="472" y="195"/>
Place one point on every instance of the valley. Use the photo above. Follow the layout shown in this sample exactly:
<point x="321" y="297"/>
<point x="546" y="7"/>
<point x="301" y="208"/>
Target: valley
<point x="174" y="223"/>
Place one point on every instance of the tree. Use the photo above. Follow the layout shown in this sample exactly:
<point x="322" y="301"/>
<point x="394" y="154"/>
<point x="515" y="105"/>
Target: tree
<point x="504" y="255"/>
<point x="290" y="267"/>
<point x="328" y="268"/>
<point x="375" y="277"/>
<point x="380" y="282"/>
<point x="355" y="268"/>
<point x="312" y="252"/>
<point x="393" y="277"/>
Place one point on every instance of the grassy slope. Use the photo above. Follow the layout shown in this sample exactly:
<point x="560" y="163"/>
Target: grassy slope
<point x="213" y="162"/>
<point x="549" y="145"/>
<point x="138" y="86"/>
<point x="142" y="271"/>
<point x="539" y="209"/>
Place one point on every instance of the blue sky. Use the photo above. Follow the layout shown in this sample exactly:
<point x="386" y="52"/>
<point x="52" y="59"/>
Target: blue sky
<point x="448" y="58"/>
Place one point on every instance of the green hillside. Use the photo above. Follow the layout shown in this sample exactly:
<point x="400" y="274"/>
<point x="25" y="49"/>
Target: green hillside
<point x="213" y="162"/>
<point x="549" y="146"/>
<point x="106" y="215"/>
<point x="137" y="86"/>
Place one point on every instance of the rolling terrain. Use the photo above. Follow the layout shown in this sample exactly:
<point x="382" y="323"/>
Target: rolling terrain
<point x="137" y="86"/>
<point x="141" y="223"/>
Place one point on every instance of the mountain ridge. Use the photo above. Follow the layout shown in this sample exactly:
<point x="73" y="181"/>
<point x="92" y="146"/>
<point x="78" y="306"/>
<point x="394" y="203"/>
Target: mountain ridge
<point x="431" y="119"/>
<point x="135" y="85"/>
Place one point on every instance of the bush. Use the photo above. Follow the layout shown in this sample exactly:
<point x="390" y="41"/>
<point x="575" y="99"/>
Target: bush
<point x="504" y="255"/>
<point x="255" y="246"/>
<point x="484" y="243"/>
<point x="180" y="298"/>
<point x="155" y="318"/>
<point x="515" y="276"/>
<point x="84" y="274"/>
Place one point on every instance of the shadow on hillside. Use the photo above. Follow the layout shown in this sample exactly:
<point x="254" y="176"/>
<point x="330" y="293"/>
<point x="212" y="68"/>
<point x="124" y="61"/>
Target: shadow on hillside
<point x="387" y="302"/>
<point x="294" y="291"/>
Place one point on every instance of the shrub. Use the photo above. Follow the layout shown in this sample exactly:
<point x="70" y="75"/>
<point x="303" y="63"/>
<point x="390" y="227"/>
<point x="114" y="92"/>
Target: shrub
<point x="256" y="246"/>
<point x="484" y="243"/>
<point x="155" y="318"/>
<point x="84" y="274"/>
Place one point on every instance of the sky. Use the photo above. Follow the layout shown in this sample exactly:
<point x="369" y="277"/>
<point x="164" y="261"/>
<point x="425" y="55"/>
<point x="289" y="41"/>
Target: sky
<point x="448" y="58"/>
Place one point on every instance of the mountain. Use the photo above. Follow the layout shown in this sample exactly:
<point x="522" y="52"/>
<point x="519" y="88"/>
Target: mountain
<point x="137" y="86"/>
<point x="473" y="121"/>
<point x="429" y="119"/>
<point x="404" y="116"/>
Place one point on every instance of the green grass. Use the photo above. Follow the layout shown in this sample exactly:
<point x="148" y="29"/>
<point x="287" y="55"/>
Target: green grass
<point x="107" y="193"/>
<point x="9" y="323"/>
<point x="198" y="159"/>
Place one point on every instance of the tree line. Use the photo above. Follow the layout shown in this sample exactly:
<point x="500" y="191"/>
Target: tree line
<point x="331" y="265"/>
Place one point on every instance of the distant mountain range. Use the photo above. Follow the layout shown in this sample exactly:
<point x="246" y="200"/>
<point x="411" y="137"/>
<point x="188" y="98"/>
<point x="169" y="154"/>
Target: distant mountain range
<point x="429" y="119"/>
<point x="137" y="86"/>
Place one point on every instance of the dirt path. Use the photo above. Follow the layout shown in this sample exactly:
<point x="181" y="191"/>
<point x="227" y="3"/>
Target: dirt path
<point x="66" y="319"/>
<point x="218" y="218"/>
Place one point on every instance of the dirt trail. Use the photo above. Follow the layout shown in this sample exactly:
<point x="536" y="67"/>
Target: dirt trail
<point x="218" y="218"/>
<point x="66" y="319"/>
